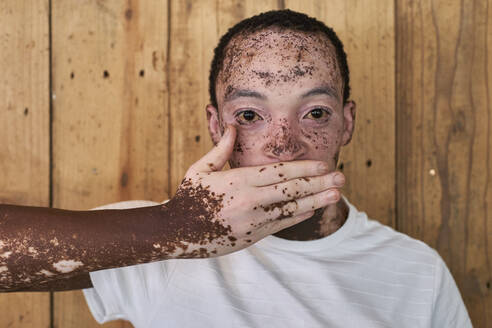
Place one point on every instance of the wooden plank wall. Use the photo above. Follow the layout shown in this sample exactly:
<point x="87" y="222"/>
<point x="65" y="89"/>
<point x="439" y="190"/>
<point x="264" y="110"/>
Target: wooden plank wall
<point x="110" y="113"/>
<point x="129" y="85"/>
<point x="24" y="132"/>
<point x="444" y="148"/>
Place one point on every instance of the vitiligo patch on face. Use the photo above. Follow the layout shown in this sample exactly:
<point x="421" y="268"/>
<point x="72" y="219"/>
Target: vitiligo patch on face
<point x="298" y="55"/>
<point x="277" y="67"/>
<point x="282" y="140"/>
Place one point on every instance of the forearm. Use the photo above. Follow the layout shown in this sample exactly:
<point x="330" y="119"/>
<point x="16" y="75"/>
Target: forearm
<point x="39" y="245"/>
<point x="62" y="284"/>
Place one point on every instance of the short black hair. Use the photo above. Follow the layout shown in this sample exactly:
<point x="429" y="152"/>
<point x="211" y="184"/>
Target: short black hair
<point x="284" y="19"/>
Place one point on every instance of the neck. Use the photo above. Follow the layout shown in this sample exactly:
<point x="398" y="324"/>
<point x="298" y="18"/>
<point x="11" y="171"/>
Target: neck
<point x="324" y="222"/>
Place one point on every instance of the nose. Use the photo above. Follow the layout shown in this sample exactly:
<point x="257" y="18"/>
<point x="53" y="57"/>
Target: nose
<point x="283" y="144"/>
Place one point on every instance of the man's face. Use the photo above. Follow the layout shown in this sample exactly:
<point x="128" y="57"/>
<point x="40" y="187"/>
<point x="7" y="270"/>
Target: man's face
<point x="284" y="93"/>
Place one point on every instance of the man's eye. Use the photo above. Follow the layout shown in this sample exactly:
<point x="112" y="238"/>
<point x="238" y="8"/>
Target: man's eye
<point x="247" y="117"/>
<point x="317" y="114"/>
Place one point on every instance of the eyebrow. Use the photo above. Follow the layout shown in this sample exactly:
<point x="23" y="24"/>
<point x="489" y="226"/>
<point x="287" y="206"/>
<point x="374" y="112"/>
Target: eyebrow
<point x="244" y="93"/>
<point x="325" y="90"/>
<point x="238" y="93"/>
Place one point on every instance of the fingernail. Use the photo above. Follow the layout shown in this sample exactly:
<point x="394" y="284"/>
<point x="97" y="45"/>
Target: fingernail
<point x="332" y="195"/>
<point x="339" y="179"/>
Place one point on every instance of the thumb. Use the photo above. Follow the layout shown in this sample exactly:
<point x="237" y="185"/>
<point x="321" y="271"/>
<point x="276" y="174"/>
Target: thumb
<point x="215" y="159"/>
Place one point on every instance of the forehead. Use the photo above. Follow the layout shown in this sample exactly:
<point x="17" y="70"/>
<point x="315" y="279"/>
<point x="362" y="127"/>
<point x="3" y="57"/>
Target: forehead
<point x="275" y="58"/>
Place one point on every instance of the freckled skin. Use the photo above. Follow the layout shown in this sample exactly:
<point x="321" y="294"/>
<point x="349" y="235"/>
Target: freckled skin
<point x="282" y="66"/>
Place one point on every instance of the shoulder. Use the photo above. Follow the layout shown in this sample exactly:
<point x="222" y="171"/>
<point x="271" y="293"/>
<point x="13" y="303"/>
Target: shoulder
<point x="414" y="269"/>
<point x="375" y="235"/>
<point x="391" y="255"/>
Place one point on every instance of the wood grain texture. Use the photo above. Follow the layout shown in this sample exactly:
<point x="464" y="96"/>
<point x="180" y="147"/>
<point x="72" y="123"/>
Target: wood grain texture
<point x="130" y="85"/>
<point x="110" y="128"/>
<point x="366" y="29"/>
<point x="192" y="33"/>
<point x="196" y="27"/>
<point x="444" y="138"/>
<point x="24" y="132"/>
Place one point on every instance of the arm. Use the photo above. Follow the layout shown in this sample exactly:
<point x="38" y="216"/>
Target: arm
<point x="40" y="245"/>
<point x="213" y="213"/>
<point x="78" y="282"/>
<point x="448" y="309"/>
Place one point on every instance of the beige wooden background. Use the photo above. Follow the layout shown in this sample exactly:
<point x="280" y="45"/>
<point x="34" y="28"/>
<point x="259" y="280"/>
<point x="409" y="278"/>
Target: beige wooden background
<point x="102" y="101"/>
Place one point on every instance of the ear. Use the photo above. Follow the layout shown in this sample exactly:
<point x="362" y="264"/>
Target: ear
<point x="348" y="121"/>
<point x="214" y="124"/>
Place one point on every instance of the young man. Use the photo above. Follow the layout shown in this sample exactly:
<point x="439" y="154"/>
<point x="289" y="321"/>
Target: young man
<point x="279" y="88"/>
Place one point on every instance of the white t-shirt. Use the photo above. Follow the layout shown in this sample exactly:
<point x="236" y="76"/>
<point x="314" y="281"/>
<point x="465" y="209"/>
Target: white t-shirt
<point x="363" y="275"/>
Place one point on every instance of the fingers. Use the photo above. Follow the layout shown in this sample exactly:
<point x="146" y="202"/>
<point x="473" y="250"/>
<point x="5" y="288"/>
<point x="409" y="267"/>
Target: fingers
<point x="215" y="159"/>
<point x="269" y="174"/>
<point x="279" y="225"/>
<point x="318" y="200"/>
<point x="282" y="210"/>
<point x="298" y="188"/>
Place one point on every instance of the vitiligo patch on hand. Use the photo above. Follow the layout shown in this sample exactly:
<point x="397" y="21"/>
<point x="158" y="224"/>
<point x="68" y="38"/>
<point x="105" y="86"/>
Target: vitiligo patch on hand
<point x="5" y="255"/>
